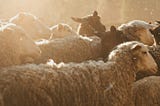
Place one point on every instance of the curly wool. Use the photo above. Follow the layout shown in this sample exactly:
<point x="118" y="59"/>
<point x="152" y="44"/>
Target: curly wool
<point x="139" y="24"/>
<point x="89" y="83"/>
<point x="70" y="49"/>
<point x="146" y="91"/>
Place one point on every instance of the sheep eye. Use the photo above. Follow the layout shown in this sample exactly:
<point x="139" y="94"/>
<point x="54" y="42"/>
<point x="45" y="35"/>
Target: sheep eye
<point x="144" y="53"/>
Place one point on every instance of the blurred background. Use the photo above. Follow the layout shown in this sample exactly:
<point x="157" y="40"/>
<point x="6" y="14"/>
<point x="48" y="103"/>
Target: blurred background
<point x="112" y="12"/>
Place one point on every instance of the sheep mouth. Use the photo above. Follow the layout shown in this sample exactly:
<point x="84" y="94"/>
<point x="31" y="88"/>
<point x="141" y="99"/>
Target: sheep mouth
<point x="154" y="70"/>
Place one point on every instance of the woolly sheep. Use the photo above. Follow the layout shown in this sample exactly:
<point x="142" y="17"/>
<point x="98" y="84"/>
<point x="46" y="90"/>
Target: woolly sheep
<point x="146" y="91"/>
<point x="138" y="30"/>
<point x="62" y="30"/>
<point x="70" y="49"/>
<point x="32" y="25"/>
<point x="89" y="83"/>
<point x="15" y="46"/>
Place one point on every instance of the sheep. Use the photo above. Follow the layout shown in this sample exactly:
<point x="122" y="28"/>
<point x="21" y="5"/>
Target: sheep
<point x="70" y="49"/>
<point x="146" y="91"/>
<point x="89" y="25"/>
<point x="16" y="47"/>
<point x="61" y="30"/>
<point x="138" y="30"/>
<point x="32" y="25"/>
<point x="90" y="83"/>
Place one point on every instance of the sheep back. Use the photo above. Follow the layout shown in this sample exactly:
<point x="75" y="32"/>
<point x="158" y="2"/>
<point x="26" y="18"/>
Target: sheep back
<point x="71" y="49"/>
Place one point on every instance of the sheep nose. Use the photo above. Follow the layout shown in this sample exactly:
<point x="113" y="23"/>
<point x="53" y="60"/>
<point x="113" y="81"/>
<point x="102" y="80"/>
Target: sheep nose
<point x="150" y="43"/>
<point x="155" y="69"/>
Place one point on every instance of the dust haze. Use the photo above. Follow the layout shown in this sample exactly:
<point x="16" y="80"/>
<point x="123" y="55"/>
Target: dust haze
<point x="113" y="12"/>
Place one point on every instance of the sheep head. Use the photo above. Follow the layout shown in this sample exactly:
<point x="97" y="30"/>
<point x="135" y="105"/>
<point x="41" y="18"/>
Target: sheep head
<point x="134" y="53"/>
<point x="143" y="58"/>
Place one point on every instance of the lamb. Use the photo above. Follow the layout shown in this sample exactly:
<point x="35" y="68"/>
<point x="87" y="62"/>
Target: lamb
<point x="16" y="47"/>
<point x="89" y="83"/>
<point x="146" y="91"/>
<point x="35" y="28"/>
<point x="70" y="49"/>
<point x="62" y="30"/>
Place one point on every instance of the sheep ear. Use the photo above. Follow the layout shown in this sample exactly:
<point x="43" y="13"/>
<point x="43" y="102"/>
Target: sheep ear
<point x="60" y="27"/>
<point x="152" y="31"/>
<point x="95" y="13"/>
<point x="113" y="29"/>
<point x="136" y="47"/>
<point x="158" y="22"/>
<point x="79" y="20"/>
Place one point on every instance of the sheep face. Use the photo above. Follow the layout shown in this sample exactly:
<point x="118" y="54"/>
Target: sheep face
<point x="62" y="30"/>
<point x="143" y="59"/>
<point x="145" y="36"/>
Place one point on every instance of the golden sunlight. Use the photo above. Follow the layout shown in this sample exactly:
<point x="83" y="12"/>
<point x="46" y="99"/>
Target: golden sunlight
<point x="58" y="11"/>
<point x="79" y="52"/>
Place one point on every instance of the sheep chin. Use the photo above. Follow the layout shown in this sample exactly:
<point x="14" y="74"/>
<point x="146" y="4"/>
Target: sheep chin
<point x="154" y="70"/>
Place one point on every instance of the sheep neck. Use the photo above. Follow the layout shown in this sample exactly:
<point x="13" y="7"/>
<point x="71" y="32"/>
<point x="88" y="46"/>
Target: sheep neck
<point x="119" y="79"/>
<point x="125" y="65"/>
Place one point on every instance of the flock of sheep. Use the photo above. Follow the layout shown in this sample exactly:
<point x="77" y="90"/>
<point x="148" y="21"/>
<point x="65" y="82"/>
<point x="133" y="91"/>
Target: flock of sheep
<point x="57" y="66"/>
